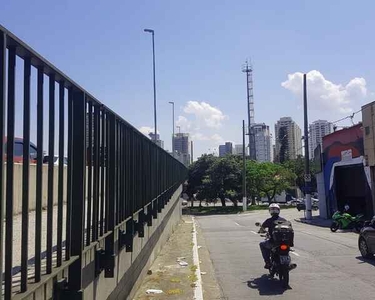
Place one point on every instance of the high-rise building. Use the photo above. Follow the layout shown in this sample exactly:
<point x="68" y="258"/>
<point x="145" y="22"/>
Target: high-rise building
<point x="238" y="150"/>
<point x="288" y="138"/>
<point x="159" y="142"/>
<point x="318" y="129"/>
<point x="225" y="149"/>
<point x="262" y="142"/>
<point x="182" y="147"/>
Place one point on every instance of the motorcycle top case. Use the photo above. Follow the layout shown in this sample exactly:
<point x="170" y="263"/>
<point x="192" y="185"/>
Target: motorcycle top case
<point x="283" y="233"/>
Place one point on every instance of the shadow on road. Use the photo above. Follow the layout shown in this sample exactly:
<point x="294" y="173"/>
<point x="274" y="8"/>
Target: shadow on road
<point x="207" y="211"/>
<point x="266" y="286"/>
<point x="362" y="260"/>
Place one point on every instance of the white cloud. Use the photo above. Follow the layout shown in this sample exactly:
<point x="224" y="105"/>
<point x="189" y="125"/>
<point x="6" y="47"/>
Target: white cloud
<point x="146" y="130"/>
<point x="184" y="123"/>
<point x="325" y="95"/>
<point x="199" y="137"/>
<point x="217" y="138"/>
<point x="205" y="114"/>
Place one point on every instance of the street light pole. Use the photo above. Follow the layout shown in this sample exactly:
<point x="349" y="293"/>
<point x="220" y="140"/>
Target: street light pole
<point x="171" y="102"/>
<point x="307" y="157"/>
<point x="153" y="64"/>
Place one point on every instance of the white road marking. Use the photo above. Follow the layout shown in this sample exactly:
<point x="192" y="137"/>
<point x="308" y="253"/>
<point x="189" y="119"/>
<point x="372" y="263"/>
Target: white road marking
<point x="237" y="224"/>
<point x="295" y="253"/>
<point x="254" y="232"/>
<point x="198" y="291"/>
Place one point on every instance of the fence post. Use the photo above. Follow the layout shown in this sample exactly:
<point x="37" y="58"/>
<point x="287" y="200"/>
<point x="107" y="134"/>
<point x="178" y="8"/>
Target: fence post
<point x="110" y="240"/>
<point x="2" y="123"/>
<point x="77" y="189"/>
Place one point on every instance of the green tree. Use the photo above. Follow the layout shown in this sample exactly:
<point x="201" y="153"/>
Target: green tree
<point x="223" y="180"/>
<point x="197" y="173"/>
<point x="298" y="167"/>
<point x="268" y="179"/>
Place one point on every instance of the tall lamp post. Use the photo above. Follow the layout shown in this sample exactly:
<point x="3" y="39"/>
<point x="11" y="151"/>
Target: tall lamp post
<point x="172" y="103"/>
<point x="153" y="64"/>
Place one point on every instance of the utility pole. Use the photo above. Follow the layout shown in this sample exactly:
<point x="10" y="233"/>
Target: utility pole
<point x="153" y="68"/>
<point x="172" y="103"/>
<point x="244" y="198"/>
<point x="250" y="108"/>
<point x="307" y="157"/>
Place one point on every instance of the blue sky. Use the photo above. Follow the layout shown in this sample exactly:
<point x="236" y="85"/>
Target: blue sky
<point x="200" y="48"/>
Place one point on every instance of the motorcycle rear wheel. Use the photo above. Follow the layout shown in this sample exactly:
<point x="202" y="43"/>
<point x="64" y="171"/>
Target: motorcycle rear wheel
<point x="334" y="226"/>
<point x="284" y="278"/>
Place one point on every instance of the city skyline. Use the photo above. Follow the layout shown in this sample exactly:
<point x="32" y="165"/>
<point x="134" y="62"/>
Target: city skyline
<point x="204" y="105"/>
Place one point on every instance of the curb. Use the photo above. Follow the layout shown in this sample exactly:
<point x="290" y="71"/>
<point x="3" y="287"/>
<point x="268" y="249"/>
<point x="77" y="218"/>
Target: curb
<point x="310" y="223"/>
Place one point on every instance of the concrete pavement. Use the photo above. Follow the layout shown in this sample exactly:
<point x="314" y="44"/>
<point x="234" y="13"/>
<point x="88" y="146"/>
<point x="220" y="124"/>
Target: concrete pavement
<point x="329" y="264"/>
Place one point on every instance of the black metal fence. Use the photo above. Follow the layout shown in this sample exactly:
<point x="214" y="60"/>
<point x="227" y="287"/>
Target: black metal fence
<point x="112" y="173"/>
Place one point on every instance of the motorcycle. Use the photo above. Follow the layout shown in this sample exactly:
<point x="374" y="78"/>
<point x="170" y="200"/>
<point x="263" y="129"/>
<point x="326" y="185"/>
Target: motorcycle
<point x="346" y="221"/>
<point x="281" y="263"/>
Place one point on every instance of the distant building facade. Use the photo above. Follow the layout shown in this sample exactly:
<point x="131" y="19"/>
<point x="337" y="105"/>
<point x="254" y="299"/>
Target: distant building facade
<point x="159" y="142"/>
<point x="225" y="149"/>
<point x="288" y="134"/>
<point x="238" y="150"/>
<point x="182" y="147"/>
<point x="262" y="142"/>
<point x="318" y="129"/>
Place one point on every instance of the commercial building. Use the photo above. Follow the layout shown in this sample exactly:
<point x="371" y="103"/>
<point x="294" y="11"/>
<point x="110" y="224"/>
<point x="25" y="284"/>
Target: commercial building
<point x="345" y="177"/>
<point x="182" y="147"/>
<point x="288" y="138"/>
<point x="318" y="129"/>
<point x="159" y="142"/>
<point x="225" y="149"/>
<point x="238" y="150"/>
<point x="262" y="142"/>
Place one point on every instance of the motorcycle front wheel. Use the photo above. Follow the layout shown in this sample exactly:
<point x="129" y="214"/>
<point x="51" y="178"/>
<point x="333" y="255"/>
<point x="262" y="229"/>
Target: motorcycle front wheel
<point x="334" y="226"/>
<point x="284" y="278"/>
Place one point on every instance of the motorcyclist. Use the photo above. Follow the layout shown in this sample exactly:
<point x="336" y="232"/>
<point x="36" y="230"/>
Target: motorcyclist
<point x="266" y="245"/>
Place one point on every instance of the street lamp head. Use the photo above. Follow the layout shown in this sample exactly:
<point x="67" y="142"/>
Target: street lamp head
<point x="149" y="30"/>
<point x="171" y="102"/>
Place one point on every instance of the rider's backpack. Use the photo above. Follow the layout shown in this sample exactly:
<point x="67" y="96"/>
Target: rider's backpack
<point x="283" y="233"/>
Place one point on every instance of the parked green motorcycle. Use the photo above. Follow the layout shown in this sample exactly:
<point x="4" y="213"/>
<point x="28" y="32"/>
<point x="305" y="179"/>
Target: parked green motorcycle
<point x="346" y="221"/>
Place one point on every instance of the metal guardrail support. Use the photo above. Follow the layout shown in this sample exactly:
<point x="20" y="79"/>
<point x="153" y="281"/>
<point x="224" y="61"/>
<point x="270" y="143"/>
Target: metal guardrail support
<point x="78" y="188"/>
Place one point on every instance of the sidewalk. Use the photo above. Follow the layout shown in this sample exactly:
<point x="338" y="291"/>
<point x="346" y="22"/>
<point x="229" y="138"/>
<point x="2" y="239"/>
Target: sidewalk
<point x="173" y="274"/>
<point x="316" y="221"/>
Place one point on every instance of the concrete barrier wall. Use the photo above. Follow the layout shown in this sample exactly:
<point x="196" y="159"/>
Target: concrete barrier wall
<point x="17" y="201"/>
<point x="131" y="267"/>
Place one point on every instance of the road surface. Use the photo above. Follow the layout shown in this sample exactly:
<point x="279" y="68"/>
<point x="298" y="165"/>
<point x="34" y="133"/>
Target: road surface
<point x="329" y="264"/>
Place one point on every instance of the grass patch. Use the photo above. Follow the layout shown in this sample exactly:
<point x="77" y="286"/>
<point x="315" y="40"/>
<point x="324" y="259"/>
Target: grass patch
<point x="174" y="292"/>
<point x="193" y="268"/>
<point x="175" y="280"/>
<point x="193" y="277"/>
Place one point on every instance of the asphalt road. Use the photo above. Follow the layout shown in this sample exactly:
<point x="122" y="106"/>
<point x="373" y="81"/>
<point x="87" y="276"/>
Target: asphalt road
<point x="329" y="264"/>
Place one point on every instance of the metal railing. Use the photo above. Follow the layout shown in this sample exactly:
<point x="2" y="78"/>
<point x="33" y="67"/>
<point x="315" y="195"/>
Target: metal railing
<point x="113" y="172"/>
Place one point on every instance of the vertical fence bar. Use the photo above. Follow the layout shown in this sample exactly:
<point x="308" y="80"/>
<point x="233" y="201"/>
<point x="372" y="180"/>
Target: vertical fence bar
<point x="78" y="188"/>
<point x="51" y="152"/>
<point x="118" y="168"/>
<point x="96" y="174"/>
<point x="39" y="176"/>
<point x="60" y="188"/>
<point x="69" y="175"/>
<point x="103" y="162"/>
<point x="107" y="172"/>
<point x="2" y="131"/>
<point x="10" y="170"/>
<point x="89" y="174"/>
<point x="25" y="173"/>
<point x="111" y="179"/>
